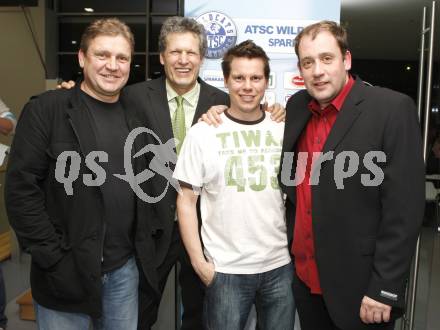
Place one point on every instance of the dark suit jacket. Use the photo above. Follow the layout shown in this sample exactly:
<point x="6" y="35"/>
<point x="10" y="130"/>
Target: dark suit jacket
<point x="149" y="100"/>
<point x="364" y="236"/>
<point x="64" y="233"/>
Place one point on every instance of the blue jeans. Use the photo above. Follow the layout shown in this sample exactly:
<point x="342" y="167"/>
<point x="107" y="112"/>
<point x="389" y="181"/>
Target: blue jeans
<point x="229" y="299"/>
<point x="119" y="305"/>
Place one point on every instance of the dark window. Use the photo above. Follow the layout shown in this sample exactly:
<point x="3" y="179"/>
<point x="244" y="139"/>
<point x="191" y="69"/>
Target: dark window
<point x="161" y="6"/>
<point x="70" y="35"/>
<point x="71" y="18"/>
<point x="156" y="69"/>
<point x="102" y="6"/>
<point x="137" y="72"/>
<point x="69" y="67"/>
<point x="156" y="24"/>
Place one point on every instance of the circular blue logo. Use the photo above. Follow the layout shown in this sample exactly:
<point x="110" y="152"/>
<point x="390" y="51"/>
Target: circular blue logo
<point x="221" y="33"/>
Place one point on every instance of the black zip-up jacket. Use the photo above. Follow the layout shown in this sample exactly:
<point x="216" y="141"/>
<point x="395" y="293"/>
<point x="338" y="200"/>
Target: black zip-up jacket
<point x="64" y="233"/>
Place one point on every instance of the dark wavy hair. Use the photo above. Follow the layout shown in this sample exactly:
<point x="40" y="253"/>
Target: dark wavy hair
<point x="338" y="31"/>
<point x="177" y="24"/>
<point x="246" y="49"/>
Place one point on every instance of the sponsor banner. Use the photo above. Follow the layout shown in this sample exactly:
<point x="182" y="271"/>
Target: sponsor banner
<point x="213" y="77"/>
<point x="288" y="95"/>
<point x="273" y="25"/>
<point x="269" y="97"/>
<point x="275" y="36"/>
<point x="293" y="80"/>
<point x="272" y="79"/>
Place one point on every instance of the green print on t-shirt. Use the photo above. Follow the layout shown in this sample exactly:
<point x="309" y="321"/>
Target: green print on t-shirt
<point x="253" y="161"/>
<point x="246" y="138"/>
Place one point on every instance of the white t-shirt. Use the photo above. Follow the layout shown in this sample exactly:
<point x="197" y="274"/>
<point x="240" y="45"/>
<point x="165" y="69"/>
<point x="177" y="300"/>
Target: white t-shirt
<point x="243" y="215"/>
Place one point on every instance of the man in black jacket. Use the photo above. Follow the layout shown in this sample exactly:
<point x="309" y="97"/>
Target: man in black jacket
<point x="85" y="229"/>
<point x="359" y="207"/>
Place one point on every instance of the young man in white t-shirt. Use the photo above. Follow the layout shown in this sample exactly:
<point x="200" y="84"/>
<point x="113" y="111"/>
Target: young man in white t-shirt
<point x="245" y="258"/>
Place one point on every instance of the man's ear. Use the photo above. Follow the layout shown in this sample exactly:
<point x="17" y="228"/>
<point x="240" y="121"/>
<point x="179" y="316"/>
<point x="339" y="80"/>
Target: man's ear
<point x="347" y="60"/>
<point x="161" y="59"/>
<point x="81" y="57"/>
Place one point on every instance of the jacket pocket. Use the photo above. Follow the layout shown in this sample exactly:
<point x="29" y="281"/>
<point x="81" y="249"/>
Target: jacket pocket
<point x="64" y="279"/>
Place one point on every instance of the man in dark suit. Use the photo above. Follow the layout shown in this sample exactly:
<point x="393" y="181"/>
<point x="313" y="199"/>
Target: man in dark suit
<point x="182" y="45"/>
<point x="87" y="233"/>
<point x="357" y="212"/>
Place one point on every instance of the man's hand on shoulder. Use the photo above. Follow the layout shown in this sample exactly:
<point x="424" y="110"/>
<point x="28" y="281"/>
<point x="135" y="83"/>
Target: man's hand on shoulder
<point x="212" y="116"/>
<point x="277" y="112"/>
<point x="373" y="311"/>
<point x="66" y="85"/>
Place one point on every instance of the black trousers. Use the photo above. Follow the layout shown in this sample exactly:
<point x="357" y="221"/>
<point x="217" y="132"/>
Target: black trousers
<point x="313" y="313"/>
<point x="191" y="287"/>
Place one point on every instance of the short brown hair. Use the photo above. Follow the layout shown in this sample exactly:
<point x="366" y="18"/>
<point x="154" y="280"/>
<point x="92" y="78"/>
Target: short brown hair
<point x="177" y="24"/>
<point x="107" y="27"/>
<point x="334" y="28"/>
<point x="247" y="49"/>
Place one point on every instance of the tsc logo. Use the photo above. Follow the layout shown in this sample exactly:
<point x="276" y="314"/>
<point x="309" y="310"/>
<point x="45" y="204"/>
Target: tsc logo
<point x="221" y="33"/>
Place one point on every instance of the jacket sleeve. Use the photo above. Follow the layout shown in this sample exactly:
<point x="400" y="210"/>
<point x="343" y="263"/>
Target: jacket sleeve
<point x="402" y="200"/>
<point x="25" y="177"/>
<point x="224" y="99"/>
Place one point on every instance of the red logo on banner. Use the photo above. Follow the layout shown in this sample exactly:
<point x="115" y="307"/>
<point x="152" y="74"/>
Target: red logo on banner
<point x="298" y="81"/>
